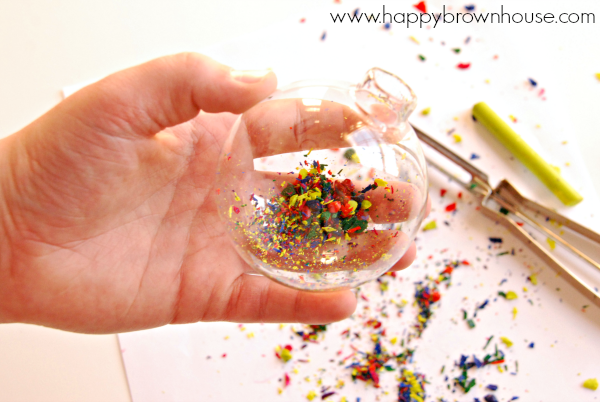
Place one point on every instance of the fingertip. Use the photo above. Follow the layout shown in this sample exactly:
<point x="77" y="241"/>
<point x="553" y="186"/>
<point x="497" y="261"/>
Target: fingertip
<point x="324" y="308"/>
<point x="402" y="205"/>
<point x="407" y="259"/>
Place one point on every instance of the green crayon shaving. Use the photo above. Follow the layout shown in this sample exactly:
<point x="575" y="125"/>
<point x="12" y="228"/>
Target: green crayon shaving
<point x="528" y="157"/>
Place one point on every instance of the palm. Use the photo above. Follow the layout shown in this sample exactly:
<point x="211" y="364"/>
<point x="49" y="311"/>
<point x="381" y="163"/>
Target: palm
<point x="144" y="228"/>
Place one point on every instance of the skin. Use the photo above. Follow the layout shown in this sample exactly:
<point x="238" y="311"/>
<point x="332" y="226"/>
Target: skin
<point x="108" y="219"/>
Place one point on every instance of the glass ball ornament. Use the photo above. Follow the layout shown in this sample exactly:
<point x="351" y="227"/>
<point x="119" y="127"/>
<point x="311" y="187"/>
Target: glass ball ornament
<point x="323" y="185"/>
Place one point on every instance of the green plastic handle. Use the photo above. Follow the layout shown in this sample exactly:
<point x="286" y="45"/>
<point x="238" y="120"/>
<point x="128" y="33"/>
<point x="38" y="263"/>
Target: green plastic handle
<point x="548" y="174"/>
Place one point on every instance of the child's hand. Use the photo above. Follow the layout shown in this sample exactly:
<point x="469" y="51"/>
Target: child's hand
<point x="107" y="217"/>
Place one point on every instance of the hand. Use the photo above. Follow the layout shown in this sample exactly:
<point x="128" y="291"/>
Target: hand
<point x="108" y="221"/>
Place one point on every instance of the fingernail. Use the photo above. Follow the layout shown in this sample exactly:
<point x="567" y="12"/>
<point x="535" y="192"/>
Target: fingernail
<point x="249" y="76"/>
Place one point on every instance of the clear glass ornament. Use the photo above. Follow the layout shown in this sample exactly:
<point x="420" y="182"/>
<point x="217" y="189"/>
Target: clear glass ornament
<point x="323" y="185"/>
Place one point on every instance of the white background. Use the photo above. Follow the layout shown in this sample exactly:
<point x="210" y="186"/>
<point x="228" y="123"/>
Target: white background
<point x="45" y="46"/>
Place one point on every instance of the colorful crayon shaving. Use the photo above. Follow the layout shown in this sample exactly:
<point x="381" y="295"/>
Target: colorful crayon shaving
<point x="463" y="380"/>
<point x="368" y="369"/>
<point x="411" y="387"/>
<point x="311" y="211"/>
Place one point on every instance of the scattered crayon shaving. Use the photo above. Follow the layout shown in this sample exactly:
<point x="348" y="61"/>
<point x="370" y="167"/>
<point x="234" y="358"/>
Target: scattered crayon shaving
<point x="506" y="341"/>
<point x="430" y="226"/>
<point x="591" y="383"/>
<point x="312" y="333"/>
<point x="421" y="6"/>
<point x="284" y="353"/>
<point x="427" y="295"/>
<point x="510" y="295"/>
<point x="471" y="321"/>
<point x="411" y="387"/>
<point x="351" y="155"/>
<point x="464" y="365"/>
<point x="463" y="66"/>
<point x="368" y="368"/>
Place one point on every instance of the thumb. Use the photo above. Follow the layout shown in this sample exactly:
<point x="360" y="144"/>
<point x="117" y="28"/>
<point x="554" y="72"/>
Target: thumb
<point x="145" y="99"/>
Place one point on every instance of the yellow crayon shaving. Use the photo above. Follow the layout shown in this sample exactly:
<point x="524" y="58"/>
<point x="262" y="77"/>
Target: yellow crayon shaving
<point x="285" y="354"/>
<point x="431" y="225"/>
<point x="414" y="40"/>
<point x="426" y="111"/>
<point x="552" y="243"/>
<point x="393" y="340"/>
<point x="591" y="383"/>
<point x="303" y="173"/>
<point x="457" y="138"/>
<point x="506" y="341"/>
<point x="353" y="204"/>
<point x="514" y="312"/>
<point x="311" y="395"/>
<point x="236" y="197"/>
<point x="533" y="279"/>
<point x="598" y="76"/>
<point x="381" y="183"/>
<point x="366" y="204"/>
<point x="510" y="295"/>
